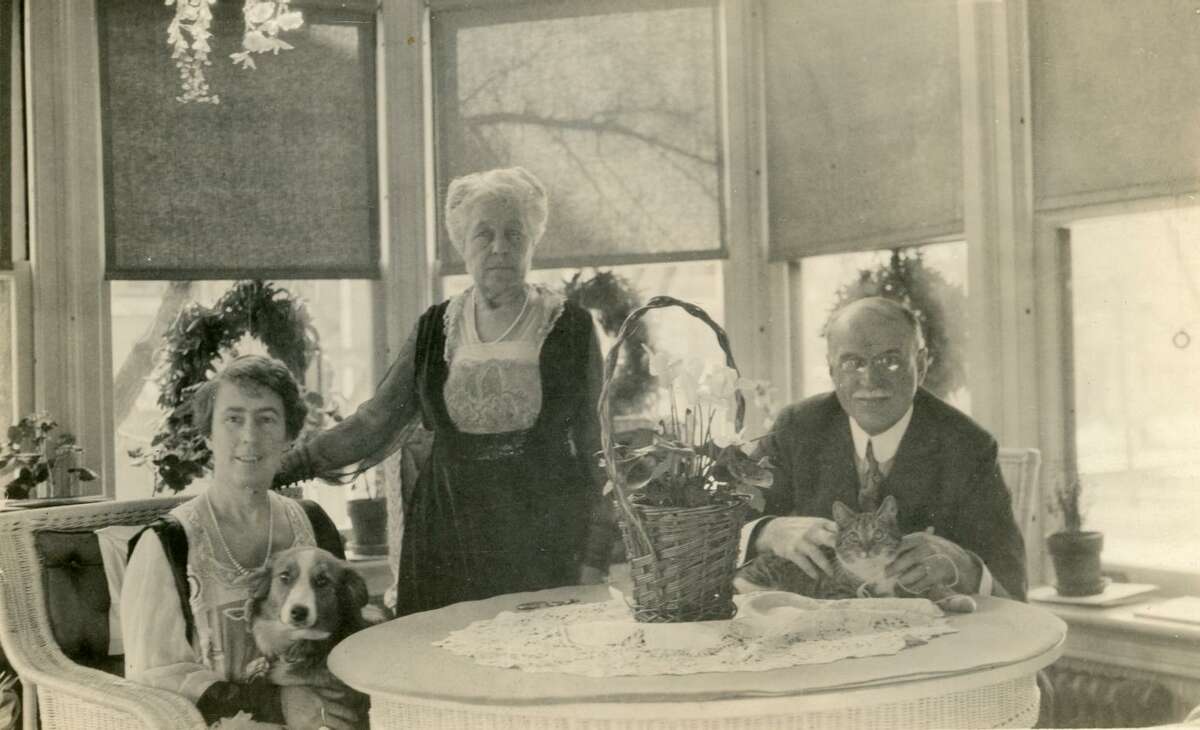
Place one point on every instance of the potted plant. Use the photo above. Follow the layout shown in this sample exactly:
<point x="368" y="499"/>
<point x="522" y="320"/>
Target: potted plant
<point x="366" y="506"/>
<point x="39" y="455"/>
<point x="1075" y="551"/>
<point x="682" y="488"/>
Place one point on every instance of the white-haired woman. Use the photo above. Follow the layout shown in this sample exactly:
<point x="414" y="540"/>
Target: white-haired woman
<point x="507" y="376"/>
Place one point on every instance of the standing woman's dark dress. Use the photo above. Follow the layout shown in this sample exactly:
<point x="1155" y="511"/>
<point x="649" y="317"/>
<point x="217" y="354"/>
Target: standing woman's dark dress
<point x="491" y="513"/>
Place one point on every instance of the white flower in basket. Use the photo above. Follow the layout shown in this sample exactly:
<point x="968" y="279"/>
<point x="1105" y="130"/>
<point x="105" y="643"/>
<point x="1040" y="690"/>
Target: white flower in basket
<point x="687" y="481"/>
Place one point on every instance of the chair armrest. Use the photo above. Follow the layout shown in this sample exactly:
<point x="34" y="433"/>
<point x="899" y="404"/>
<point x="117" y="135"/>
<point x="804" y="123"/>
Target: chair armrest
<point x="71" y="695"/>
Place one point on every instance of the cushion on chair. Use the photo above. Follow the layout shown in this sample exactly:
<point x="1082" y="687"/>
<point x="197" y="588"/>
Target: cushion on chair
<point x="77" y="596"/>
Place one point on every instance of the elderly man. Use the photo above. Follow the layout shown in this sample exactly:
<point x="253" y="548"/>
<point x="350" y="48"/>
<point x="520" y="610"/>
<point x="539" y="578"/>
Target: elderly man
<point x="880" y="433"/>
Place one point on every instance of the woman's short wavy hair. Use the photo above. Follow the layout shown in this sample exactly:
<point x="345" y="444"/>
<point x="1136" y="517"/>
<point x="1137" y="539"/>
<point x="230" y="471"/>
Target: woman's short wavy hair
<point x="252" y="371"/>
<point x="515" y="185"/>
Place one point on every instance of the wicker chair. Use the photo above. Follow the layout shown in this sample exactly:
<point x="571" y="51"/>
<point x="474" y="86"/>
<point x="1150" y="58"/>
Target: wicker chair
<point x="68" y="694"/>
<point x="1020" y="469"/>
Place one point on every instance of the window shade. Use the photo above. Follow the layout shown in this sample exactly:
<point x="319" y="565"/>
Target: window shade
<point x="864" y="139"/>
<point x="1116" y="99"/>
<point x="278" y="180"/>
<point x="612" y="105"/>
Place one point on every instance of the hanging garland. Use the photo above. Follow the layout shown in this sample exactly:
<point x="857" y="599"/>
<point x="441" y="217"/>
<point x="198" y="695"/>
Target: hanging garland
<point x="196" y="341"/>
<point x="614" y="298"/>
<point x="189" y="37"/>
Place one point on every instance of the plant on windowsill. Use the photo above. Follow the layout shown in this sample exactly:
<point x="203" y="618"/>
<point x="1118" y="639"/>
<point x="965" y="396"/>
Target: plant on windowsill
<point x="40" y="455"/>
<point x="366" y="505"/>
<point x="1074" y="551"/>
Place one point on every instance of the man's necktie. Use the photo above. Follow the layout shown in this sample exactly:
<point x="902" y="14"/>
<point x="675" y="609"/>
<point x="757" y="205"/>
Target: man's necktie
<point x="869" y="491"/>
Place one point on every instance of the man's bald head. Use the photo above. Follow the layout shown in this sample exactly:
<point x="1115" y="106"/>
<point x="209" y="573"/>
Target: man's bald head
<point x="877" y="360"/>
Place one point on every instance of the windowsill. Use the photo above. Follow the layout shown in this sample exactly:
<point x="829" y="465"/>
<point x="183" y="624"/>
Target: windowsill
<point x="1115" y="636"/>
<point x="1170" y="582"/>
<point x="376" y="572"/>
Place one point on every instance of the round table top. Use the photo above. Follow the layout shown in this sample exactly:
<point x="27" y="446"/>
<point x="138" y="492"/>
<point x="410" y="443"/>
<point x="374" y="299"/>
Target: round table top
<point x="397" y="659"/>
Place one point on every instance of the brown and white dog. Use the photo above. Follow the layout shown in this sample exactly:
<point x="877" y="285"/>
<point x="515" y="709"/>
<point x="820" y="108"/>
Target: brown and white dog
<point x="300" y="607"/>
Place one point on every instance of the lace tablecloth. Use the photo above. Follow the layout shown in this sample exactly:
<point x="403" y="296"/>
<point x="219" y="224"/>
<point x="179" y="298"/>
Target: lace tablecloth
<point x="772" y="630"/>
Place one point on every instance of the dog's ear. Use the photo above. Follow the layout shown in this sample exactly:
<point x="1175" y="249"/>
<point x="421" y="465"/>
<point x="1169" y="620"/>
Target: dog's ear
<point x="354" y="597"/>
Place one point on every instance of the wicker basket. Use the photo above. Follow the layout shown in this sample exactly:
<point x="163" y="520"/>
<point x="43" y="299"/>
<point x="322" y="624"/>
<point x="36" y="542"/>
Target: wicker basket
<point x="681" y="559"/>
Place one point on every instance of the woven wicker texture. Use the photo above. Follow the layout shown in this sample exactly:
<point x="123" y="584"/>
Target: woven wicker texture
<point x="1008" y="704"/>
<point x="682" y="560"/>
<point x="70" y="695"/>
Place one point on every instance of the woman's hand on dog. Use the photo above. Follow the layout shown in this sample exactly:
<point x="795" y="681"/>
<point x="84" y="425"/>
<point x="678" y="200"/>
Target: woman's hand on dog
<point x="303" y="705"/>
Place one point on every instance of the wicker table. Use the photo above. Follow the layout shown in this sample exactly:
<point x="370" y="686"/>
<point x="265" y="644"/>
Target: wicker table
<point x="982" y="676"/>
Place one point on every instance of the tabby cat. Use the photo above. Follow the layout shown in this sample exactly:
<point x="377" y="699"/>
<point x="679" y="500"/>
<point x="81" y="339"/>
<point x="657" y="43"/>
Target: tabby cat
<point x="867" y="542"/>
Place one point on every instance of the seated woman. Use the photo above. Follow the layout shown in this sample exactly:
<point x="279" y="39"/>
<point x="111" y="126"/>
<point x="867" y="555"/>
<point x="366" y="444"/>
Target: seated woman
<point x="249" y="414"/>
<point x="506" y="375"/>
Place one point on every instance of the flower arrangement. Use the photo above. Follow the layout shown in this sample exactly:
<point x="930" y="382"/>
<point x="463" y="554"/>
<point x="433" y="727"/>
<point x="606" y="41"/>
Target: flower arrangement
<point x="681" y="487"/>
<point x="696" y="456"/>
<point x="40" y="456"/>
<point x="188" y="35"/>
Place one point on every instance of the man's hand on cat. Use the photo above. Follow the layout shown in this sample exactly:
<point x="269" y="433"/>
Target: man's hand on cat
<point x="800" y="540"/>
<point x="926" y="560"/>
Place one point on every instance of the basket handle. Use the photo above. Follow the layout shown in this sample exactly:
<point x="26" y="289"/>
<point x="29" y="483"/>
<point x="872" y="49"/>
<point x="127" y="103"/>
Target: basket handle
<point x="605" y="406"/>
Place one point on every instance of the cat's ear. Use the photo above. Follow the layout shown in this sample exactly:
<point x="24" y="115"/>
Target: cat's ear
<point x="842" y="514"/>
<point x="888" y="509"/>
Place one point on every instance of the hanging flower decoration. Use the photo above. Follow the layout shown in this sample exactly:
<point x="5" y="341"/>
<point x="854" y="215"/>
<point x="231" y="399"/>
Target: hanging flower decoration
<point x="188" y="35"/>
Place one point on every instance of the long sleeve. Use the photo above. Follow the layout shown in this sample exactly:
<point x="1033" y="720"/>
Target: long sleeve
<point x="989" y="530"/>
<point x="157" y="652"/>
<point x="602" y="527"/>
<point x="372" y="429"/>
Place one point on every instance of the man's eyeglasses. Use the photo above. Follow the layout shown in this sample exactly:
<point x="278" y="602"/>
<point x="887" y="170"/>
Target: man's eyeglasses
<point x="888" y="363"/>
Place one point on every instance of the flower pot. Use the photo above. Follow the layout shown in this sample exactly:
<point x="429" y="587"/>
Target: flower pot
<point x="368" y="521"/>
<point x="1076" y="557"/>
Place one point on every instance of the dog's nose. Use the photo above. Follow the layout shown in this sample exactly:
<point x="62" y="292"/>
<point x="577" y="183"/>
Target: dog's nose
<point x="299" y="613"/>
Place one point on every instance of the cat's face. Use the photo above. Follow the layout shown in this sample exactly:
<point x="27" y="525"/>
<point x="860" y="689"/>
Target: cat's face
<point x="867" y="542"/>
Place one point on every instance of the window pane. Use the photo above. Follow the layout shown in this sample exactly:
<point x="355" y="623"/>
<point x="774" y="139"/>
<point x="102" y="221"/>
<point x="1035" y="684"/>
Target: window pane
<point x="671" y="330"/>
<point x="615" y="112"/>
<point x="1135" y="297"/>
<point x="943" y="265"/>
<point x="143" y="309"/>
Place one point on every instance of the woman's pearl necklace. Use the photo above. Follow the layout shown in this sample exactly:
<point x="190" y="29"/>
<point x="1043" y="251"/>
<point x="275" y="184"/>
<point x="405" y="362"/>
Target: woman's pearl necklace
<point x="241" y="569"/>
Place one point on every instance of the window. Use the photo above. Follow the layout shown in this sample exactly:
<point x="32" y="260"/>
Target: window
<point x="823" y="278"/>
<point x="614" y="109"/>
<point x="1134" y="298"/>
<point x="142" y="310"/>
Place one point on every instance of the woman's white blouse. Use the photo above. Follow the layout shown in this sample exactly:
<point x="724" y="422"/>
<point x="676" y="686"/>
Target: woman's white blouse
<point x="156" y="649"/>
<point x="494" y="387"/>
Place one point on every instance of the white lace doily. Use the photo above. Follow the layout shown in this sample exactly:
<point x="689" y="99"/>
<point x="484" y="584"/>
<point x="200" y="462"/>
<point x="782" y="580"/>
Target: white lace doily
<point x="772" y="630"/>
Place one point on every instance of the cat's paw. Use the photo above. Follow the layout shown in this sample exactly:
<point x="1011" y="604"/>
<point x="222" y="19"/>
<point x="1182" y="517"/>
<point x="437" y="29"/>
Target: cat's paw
<point x="957" y="603"/>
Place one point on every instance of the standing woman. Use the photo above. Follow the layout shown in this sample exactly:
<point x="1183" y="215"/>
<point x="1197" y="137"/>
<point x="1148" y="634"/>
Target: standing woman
<point x="507" y="376"/>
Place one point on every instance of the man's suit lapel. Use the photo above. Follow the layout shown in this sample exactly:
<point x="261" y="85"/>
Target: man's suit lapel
<point x="910" y="480"/>
<point x="839" y="477"/>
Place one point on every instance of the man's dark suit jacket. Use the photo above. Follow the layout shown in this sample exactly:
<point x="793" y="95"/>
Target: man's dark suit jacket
<point x="945" y="474"/>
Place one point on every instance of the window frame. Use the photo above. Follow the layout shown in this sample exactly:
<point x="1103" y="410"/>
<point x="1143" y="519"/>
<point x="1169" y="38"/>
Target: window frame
<point x="479" y="14"/>
<point x="1056" y="386"/>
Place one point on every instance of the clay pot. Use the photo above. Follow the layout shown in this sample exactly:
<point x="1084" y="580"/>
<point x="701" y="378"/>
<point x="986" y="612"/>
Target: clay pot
<point x="368" y="520"/>
<point x="1076" y="557"/>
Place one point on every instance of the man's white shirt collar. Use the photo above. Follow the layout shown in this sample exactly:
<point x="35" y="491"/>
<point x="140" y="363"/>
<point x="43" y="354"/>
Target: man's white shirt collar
<point x="886" y="443"/>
